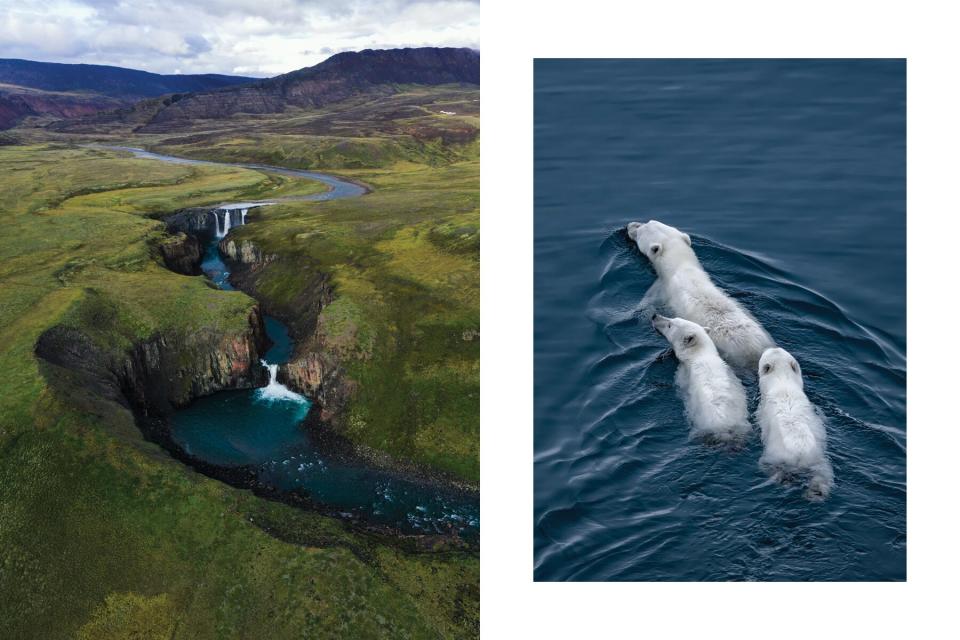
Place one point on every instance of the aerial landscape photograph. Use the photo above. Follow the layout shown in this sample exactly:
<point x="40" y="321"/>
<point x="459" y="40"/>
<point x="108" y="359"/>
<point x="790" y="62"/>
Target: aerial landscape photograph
<point x="239" y="319"/>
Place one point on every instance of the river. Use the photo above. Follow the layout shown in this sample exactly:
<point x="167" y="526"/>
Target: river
<point x="262" y="430"/>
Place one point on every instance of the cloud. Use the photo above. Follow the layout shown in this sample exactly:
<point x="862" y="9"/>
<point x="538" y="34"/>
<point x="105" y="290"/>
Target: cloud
<point x="251" y="37"/>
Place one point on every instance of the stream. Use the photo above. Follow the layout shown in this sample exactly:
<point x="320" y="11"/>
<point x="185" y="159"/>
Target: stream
<point x="262" y="429"/>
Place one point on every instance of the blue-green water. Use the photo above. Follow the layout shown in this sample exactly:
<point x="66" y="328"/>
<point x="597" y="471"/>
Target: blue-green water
<point x="790" y="176"/>
<point x="240" y="428"/>
<point x="262" y="429"/>
<point x="214" y="266"/>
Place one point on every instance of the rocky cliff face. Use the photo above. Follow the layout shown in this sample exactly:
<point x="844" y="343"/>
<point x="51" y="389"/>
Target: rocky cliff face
<point x="163" y="372"/>
<point x="199" y="222"/>
<point x="181" y="253"/>
<point x="245" y="253"/>
<point x="313" y="371"/>
<point x="320" y="376"/>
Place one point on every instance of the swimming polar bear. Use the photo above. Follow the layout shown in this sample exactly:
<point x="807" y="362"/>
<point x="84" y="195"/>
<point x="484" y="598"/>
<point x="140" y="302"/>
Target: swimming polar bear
<point x="714" y="399"/>
<point x="794" y="438"/>
<point x="686" y="290"/>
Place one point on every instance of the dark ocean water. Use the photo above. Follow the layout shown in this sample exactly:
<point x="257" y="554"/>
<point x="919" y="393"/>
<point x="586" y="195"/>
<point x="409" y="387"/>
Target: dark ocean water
<point x="790" y="177"/>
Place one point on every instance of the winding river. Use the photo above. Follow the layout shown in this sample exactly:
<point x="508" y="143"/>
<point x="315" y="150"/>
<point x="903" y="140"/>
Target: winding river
<point x="261" y="432"/>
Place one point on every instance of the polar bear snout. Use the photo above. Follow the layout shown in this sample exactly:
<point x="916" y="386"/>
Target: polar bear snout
<point x="632" y="229"/>
<point x="659" y="323"/>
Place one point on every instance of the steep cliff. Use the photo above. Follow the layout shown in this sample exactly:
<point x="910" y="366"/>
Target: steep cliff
<point x="155" y="375"/>
<point x="245" y="253"/>
<point x="196" y="221"/>
<point x="314" y="370"/>
<point x="181" y="253"/>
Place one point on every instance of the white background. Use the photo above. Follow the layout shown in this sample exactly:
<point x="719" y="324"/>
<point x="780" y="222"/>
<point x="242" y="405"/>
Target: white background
<point x="925" y="33"/>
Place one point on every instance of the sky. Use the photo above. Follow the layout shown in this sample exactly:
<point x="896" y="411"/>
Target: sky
<point x="239" y="37"/>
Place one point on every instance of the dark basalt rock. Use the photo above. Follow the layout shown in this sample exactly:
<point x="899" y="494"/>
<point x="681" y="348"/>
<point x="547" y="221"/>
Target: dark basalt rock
<point x="182" y="253"/>
<point x="158" y="374"/>
<point x="198" y="222"/>
<point x="314" y="370"/>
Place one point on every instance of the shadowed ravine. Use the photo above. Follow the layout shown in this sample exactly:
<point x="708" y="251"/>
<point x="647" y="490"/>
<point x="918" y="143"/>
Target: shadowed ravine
<point x="259" y="433"/>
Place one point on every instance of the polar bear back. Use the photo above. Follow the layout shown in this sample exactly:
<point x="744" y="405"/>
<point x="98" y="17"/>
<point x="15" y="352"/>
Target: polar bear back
<point x="713" y="397"/>
<point x="790" y="429"/>
<point x="689" y="293"/>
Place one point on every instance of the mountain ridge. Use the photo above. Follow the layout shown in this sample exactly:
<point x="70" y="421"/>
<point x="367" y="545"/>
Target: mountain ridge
<point x="61" y="90"/>
<point x="107" y="80"/>
<point x="338" y="77"/>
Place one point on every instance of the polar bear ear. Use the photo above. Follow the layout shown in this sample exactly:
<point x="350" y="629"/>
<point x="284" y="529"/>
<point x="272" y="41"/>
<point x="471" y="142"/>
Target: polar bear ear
<point x="689" y="339"/>
<point x="655" y="249"/>
<point x="686" y="238"/>
<point x="707" y="330"/>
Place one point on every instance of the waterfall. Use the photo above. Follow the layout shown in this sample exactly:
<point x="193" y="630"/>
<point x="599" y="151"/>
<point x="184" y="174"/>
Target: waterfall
<point x="223" y="230"/>
<point x="275" y="391"/>
<point x="216" y="216"/>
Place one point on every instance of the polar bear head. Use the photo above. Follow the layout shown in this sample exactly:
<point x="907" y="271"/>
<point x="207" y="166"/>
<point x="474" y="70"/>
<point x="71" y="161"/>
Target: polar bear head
<point x="660" y="243"/>
<point x="778" y="367"/>
<point x="688" y="339"/>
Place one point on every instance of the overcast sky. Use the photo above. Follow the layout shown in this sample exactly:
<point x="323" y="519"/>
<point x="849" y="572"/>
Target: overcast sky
<point x="244" y="37"/>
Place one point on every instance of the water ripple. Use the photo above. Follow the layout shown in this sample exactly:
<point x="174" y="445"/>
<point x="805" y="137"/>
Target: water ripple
<point x="640" y="501"/>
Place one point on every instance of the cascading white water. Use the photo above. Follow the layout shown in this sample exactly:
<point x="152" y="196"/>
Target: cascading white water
<point x="275" y="391"/>
<point x="224" y="229"/>
<point x="220" y="228"/>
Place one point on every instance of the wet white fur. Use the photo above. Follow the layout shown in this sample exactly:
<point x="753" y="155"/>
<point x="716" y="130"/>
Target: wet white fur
<point x="793" y="435"/>
<point x="685" y="290"/>
<point x="714" y="399"/>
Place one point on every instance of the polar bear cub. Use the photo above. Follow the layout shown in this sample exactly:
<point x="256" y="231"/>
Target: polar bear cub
<point x="793" y="435"/>
<point x="714" y="399"/>
<point x="686" y="290"/>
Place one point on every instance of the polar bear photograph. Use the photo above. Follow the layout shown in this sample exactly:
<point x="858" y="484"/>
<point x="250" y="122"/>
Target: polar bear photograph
<point x="719" y="333"/>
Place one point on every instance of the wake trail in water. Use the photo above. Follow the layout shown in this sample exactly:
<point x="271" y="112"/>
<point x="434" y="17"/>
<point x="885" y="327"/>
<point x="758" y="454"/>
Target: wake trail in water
<point x="632" y="457"/>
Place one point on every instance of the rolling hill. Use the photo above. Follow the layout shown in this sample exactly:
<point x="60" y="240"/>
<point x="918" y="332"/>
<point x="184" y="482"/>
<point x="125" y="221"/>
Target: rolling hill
<point x="30" y="88"/>
<point x="116" y="82"/>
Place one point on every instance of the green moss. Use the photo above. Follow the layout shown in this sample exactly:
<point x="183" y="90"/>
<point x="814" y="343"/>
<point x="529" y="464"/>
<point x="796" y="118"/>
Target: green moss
<point x="131" y="616"/>
<point x="347" y="329"/>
